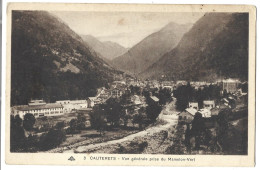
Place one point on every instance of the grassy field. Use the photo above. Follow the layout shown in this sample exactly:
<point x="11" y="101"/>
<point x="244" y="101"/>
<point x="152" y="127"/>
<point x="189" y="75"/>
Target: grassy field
<point x="91" y="136"/>
<point x="44" y="124"/>
<point x="84" y="137"/>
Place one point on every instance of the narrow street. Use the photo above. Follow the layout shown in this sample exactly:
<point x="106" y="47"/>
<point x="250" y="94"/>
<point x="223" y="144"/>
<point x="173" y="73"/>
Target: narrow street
<point x="157" y="143"/>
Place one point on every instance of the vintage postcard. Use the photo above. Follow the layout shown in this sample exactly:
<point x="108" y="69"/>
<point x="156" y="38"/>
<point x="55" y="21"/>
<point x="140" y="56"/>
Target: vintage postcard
<point x="128" y="84"/>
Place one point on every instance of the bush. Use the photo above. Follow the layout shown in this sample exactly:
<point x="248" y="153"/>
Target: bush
<point x="60" y="125"/>
<point x="142" y="146"/>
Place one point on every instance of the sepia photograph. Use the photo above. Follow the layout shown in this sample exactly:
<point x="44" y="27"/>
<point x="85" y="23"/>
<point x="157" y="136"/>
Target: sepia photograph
<point x="130" y="82"/>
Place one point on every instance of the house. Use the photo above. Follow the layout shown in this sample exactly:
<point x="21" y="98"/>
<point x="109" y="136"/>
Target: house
<point x="103" y="94"/>
<point x="136" y="100"/>
<point x="92" y="101"/>
<point x="154" y="99"/>
<point x="205" y="113"/>
<point x="86" y="112"/>
<point x="39" y="109"/>
<point x="229" y="101"/>
<point x="181" y="82"/>
<point x="208" y="104"/>
<point x="194" y="105"/>
<point x="215" y="111"/>
<point x="167" y="83"/>
<point x="187" y="115"/>
<point x="168" y="88"/>
<point x="230" y="85"/>
<point x="116" y="92"/>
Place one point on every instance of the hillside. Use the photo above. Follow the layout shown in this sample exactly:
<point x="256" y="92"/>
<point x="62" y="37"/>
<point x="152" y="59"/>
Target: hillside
<point x="51" y="62"/>
<point x="151" y="48"/>
<point x="215" y="47"/>
<point x="107" y="50"/>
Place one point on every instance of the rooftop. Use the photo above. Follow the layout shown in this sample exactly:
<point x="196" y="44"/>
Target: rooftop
<point x="37" y="107"/>
<point x="71" y="101"/>
<point x="208" y="102"/>
<point x="92" y="98"/>
<point x="154" y="98"/>
<point x="230" y="81"/>
<point x="191" y="110"/>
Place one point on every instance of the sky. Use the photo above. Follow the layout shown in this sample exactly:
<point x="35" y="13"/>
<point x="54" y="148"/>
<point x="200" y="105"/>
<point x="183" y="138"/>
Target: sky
<point x="125" y="28"/>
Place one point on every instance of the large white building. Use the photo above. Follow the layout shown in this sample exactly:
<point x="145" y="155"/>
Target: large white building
<point x="73" y="105"/>
<point x="39" y="109"/>
<point x="230" y="85"/>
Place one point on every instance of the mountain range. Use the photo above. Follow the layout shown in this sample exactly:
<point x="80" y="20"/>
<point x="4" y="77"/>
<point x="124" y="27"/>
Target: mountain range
<point x="150" y="49"/>
<point x="50" y="61"/>
<point x="215" y="47"/>
<point x="107" y="50"/>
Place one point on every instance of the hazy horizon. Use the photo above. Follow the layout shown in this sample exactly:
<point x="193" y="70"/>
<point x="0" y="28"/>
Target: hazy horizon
<point x="124" y="28"/>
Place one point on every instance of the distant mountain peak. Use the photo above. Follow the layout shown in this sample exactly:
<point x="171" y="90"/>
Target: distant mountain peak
<point x="150" y="49"/>
<point x="215" y="46"/>
<point x="107" y="50"/>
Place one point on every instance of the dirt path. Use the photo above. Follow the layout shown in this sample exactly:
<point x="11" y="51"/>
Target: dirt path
<point x="165" y="122"/>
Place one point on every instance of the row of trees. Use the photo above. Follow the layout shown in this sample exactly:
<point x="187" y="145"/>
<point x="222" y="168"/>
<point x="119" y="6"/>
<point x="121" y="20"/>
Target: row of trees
<point x="164" y="94"/>
<point x="186" y="93"/>
<point x="18" y="139"/>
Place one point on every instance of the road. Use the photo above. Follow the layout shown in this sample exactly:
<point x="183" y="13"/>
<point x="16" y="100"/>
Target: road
<point x="166" y="121"/>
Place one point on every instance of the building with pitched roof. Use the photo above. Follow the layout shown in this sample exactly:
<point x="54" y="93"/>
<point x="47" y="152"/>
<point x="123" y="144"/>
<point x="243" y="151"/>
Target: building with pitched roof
<point x="187" y="115"/>
<point x="39" y="109"/>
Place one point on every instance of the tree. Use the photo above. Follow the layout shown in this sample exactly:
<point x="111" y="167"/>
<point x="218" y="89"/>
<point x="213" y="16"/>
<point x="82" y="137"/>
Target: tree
<point x="60" y="125"/>
<point x="97" y="119"/>
<point x="146" y="93"/>
<point x="135" y="90"/>
<point x="198" y="128"/>
<point x="140" y="118"/>
<point x="153" y="111"/>
<point x="187" y="138"/>
<point x="126" y="116"/>
<point x="125" y="99"/>
<point x="244" y="87"/>
<point x="81" y="119"/>
<point x="52" y="139"/>
<point x="73" y="125"/>
<point x="164" y="96"/>
<point x="113" y="110"/>
<point x="222" y="130"/>
<point x="29" y="121"/>
<point x="17" y="136"/>
<point x="184" y="94"/>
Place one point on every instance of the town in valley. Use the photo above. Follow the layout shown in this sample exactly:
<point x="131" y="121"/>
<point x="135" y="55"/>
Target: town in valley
<point x="134" y="116"/>
<point x="171" y="83"/>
